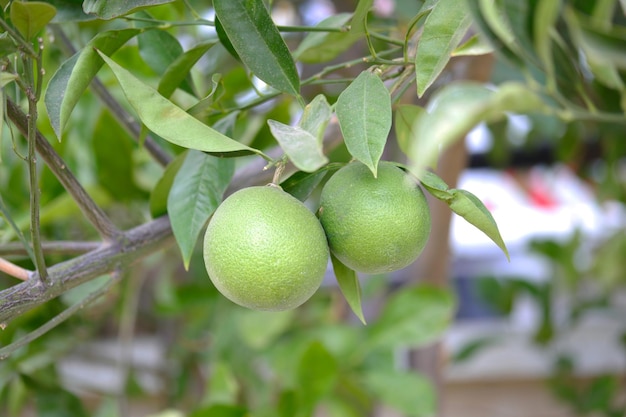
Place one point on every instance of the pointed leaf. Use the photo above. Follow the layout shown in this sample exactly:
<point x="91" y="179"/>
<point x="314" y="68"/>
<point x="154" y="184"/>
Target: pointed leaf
<point x="350" y="287"/>
<point x="31" y="17"/>
<point x="179" y="70"/>
<point x="408" y="392"/>
<point x="301" y="146"/>
<point x="413" y="317"/>
<point x="435" y="186"/>
<point x="364" y="113"/>
<point x="359" y="19"/>
<point x="251" y="31"/>
<point x="315" y="117"/>
<point x="444" y="28"/>
<point x="319" y="47"/>
<point x="160" y="192"/>
<point x="547" y="13"/>
<point x="170" y="121"/>
<point x="404" y="123"/>
<point x="467" y="104"/>
<point x="74" y="76"/>
<point x="472" y="47"/>
<point x="468" y="206"/>
<point x="114" y="8"/>
<point x="196" y="192"/>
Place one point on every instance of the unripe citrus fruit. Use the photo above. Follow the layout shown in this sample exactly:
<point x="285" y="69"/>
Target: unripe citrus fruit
<point x="265" y="250"/>
<point x="374" y="225"/>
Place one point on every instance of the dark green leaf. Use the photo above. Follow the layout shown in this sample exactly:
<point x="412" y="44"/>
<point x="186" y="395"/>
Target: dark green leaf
<point x="301" y="147"/>
<point x="251" y="31"/>
<point x="413" y="317"/>
<point x="350" y="287"/>
<point x="288" y="404"/>
<point x="178" y="72"/>
<point x="158" y="197"/>
<point x="113" y="149"/>
<point x="114" y="8"/>
<point x="7" y="45"/>
<point x="31" y="17"/>
<point x="364" y="113"/>
<point x="468" y="206"/>
<point x="404" y="122"/>
<point x="74" y="76"/>
<point x="159" y="49"/>
<point x="170" y="121"/>
<point x="69" y="11"/>
<point x="301" y="184"/>
<point x="319" y="47"/>
<point x="196" y="192"/>
<point x="317" y="374"/>
<point x="444" y="28"/>
<point x="408" y="392"/>
<point x="223" y="38"/>
<point x="220" y="410"/>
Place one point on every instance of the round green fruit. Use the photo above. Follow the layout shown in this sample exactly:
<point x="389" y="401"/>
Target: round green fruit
<point x="265" y="250"/>
<point x="374" y="225"/>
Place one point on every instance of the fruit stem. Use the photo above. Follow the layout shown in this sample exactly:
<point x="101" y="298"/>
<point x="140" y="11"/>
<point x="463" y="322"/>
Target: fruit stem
<point x="280" y="168"/>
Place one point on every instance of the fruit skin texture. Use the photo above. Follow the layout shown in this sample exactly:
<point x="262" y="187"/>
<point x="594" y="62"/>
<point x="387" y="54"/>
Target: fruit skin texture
<point x="374" y="225"/>
<point x="265" y="250"/>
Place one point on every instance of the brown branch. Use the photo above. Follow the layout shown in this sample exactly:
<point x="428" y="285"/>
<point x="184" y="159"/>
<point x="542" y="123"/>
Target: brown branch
<point x="50" y="247"/>
<point x="90" y="209"/>
<point x="134" y="244"/>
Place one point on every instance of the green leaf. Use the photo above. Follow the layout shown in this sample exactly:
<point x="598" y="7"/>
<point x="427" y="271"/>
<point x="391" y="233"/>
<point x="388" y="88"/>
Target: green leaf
<point x="301" y="147"/>
<point x="202" y="108"/>
<point x="170" y="121"/>
<point x="317" y="374"/>
<point x="178" y="71"/>
<point x="315" y="117"/>
<point x="475" y="45"/>
<point x="404" y="122"/>
<point x="364" y="113"/>
<point x="319" y="47"/>
<point x="546" y="14"/>
<point x="196" y="192"/>
<point x="359" y="20"/>
<point x="350" y="287"/>
<point x="111" y="9"/>
<point x="7" y="45"/>
<point x="113" y="149"/>
<point x="74" y="76"/>
<point x="159" y="49"/>
<point x="260" y="329"/>
<point x="444" y="28"/>
<point x="468" y="206"/>
<point x="457" y="108"/>
<point x="435" y="186"/>
<point x="158" y="196"/>
<point x="220" y="410"/>
<point x="223" y="385"/>
<point x="31" y="17"/>
<point x="408" y="392"/>
<point x="412" y="317"/>
<point x="251" y="31"/>
<point x="301" y="184"/>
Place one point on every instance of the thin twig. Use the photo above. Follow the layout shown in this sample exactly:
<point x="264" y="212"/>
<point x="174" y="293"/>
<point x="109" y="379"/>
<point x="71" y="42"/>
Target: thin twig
<point x="51" y="247"/>
<point x="58" y="319"/>
<point x="120" y="114"/>
<point x="90" y="209"/>
<point x="13" y="270"/>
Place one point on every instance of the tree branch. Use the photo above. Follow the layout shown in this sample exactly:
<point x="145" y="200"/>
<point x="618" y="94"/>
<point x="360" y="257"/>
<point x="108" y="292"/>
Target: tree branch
<point x="134" y="244"/>
<point x="50" y="247"/>
<point x="90" y="209"/>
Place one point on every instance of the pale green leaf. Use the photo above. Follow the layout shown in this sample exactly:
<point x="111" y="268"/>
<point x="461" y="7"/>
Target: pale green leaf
<point x="404" y="123"/>
<point x="475" y="45"/>
<point x="260" y="329"/>
<point x="196" y="192"/>
<point x="435" y="186"/>
<point x="412" y="317"/>
<point x="160" y="192"/>
<point x="255" y="38"/>
<point x="315" y="117"/>
<point x="73" y="77"/>
<point x="349" y="285"/>
<point x="410" y="393"/>
<point x="359" y="20"/>
<point x="444" y="28"/>
<point x="171" y="122"/>
<point x="111" y="9"/>
<point x="301" y="147"/>
<point x="468" y="206"/>
<point x="546" y="14"/>
<point x="31" y="17"/>
<point x="364" y="113"/>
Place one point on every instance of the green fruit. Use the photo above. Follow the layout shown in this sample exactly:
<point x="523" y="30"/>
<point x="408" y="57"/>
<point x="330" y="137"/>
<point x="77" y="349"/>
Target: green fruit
<point x="374" y="225"/>
<point x="265" y="250"/>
